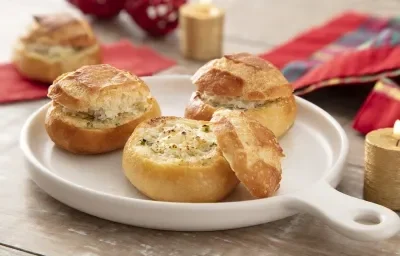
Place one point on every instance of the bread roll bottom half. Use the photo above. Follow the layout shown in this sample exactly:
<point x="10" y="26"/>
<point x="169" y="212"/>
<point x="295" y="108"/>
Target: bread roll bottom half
<point x="277" y="115"/>
<point x="45" y="63"/>
<point x="90" y="132"/>
<point x="176" y="159"/>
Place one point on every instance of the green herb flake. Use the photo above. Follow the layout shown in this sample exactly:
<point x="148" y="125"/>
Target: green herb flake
<point x="143" y="142"/>
<point x="205" y="128"/>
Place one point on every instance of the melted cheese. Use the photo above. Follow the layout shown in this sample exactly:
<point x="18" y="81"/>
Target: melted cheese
<point x="103" y="118"/>
<point x="231" y="102"/>
<point x="183" y="141"/>
<point x="53" y="51"/>
<point x="133" y="102"/>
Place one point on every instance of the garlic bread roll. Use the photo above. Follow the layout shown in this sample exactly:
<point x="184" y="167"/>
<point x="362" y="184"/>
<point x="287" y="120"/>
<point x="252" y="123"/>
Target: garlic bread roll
<point x="96" y="108"/>
<point x="178" y="160"/>
<point x="243" y="82"/>
<point x="55" y="44"/>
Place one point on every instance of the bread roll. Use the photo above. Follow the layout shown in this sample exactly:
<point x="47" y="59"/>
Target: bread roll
<point x="251" y="149"/>
<point x="55" y="44"/>
<point x="244" y="82"/>
<point x="96" y="108"/>
<point x="176" y="159"/>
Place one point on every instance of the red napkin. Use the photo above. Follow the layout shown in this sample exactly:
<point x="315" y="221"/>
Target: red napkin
<point x="381" y="108"/>
<point x="142" y="61"/>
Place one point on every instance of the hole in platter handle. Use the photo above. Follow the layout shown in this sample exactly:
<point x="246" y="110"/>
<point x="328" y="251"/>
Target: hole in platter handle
<point x="350" y="216"/>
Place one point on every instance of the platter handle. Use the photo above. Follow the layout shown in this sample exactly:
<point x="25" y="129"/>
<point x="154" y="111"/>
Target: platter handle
<point x="350" y="216"/>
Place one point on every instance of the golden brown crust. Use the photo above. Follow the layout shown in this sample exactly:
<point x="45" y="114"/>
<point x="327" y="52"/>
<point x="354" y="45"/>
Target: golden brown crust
<point x="61" y="29"/>
<point x="177" y="182"/>
<point x="79" y="89"/>
<point x="197" y="109"/>
<point x="81" y="140"/>
<point x="278" y="115"/>
<point x="250" y="60"/>
<point x="216" y="82"/>
<point x="39" y="68"/>
<point x="242" y="75"/>
<point x="251" y="150"/>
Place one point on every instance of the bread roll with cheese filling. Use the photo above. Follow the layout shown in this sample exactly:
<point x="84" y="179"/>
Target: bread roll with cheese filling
<point x="55" y="44"/>
<point x="178" y="160"/>
<point x="96" y="108"/>
<point x="247" y="83"/>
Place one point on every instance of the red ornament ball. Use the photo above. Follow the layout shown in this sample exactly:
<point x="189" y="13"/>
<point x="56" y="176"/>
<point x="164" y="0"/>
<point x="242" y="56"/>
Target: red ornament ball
<point x="156" y="17"/>
<point x="103" y="9"/>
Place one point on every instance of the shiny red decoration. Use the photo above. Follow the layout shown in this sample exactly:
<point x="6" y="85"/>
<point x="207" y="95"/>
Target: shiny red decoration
<point x="156" y="17"/>
<point x="103" y="9"/>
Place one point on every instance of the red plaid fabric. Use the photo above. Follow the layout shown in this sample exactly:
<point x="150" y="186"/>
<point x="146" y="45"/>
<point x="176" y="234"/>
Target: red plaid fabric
<point x="351" y="49"/>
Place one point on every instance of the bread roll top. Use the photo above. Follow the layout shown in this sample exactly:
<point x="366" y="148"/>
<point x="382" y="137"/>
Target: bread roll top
<point x="251" y="149"/>
<point x="100" y="88"/>
<point x="244" y="76"/>
<point x="60" y="29"/>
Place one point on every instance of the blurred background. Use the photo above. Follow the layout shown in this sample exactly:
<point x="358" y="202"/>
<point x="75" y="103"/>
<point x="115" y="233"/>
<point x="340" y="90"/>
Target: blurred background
<point x="253" y="26"/>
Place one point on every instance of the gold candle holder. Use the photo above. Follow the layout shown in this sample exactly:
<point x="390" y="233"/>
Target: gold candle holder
<point x="201" y="31"/>
<point x="382" y="167"/>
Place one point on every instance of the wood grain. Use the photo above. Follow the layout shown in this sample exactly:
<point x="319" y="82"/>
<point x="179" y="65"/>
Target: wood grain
<point x="31" y="219"/>
<point x="4" y="251"/>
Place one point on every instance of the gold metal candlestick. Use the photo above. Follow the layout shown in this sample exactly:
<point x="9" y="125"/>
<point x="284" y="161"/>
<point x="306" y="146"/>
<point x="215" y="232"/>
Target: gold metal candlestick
<point x="201" y="31"/>
<point x="382" y="167"/>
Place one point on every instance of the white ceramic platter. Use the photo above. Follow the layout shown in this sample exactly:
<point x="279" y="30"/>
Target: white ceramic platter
<point x="315" y="148"/>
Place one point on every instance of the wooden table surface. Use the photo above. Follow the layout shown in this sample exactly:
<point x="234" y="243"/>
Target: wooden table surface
<point x="32" y="220"/>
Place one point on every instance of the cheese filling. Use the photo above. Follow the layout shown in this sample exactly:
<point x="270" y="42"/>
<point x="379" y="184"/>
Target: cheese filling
<point x="53" y="51"/>
<point x="102" y="115"/>
<point x="231" y="102"/>
<point x="188" y="142"/>
<point x="100" y="118"/>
